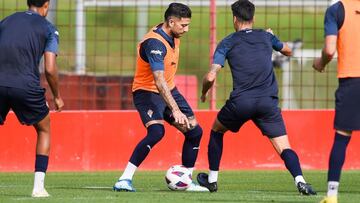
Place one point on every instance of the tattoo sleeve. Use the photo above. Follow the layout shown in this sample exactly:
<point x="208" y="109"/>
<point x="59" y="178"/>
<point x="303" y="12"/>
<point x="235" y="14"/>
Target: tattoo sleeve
<point x="164" y="90"/>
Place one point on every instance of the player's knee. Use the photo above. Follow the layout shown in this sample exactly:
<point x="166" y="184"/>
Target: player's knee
<point x="194" y="134"/>
<point x="218" y="127"/>
<point x="155" y="133"/>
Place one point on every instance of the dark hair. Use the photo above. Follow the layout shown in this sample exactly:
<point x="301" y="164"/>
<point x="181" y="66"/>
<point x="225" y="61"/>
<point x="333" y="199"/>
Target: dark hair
<point x="177" y="10"/>
<point x="243" y="10"/>
<point x="36" y="3"/>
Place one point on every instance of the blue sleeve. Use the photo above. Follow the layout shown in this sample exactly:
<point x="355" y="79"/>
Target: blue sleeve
<point x="334" y="18"/>
<point x="153" y="51"/>
<point x="276" y="43"/>
<point x="221" y="51"/>
<point x="52" y="42"/>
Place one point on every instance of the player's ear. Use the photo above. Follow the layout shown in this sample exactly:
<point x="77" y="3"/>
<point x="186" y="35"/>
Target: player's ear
<point x="235" y="22"/>
<point x="171" y="22"/>
<point x="45" y="7"/>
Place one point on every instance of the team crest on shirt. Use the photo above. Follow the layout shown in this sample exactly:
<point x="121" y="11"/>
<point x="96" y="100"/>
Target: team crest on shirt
<point x="150" y="113"/>
<point x="156" y="52"/>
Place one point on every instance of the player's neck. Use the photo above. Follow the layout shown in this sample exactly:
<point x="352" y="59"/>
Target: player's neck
<point x="167" y="30"/>
<point x="244" y="26"/>
<point x="37" y="10"/>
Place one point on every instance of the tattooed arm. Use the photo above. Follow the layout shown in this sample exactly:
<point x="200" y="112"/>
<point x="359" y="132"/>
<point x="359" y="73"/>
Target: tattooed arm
<point x="169" y="99"/>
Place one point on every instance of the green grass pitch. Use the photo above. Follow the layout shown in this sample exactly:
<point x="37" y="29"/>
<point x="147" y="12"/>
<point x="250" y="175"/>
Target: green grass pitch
<point x="234" y="186"/>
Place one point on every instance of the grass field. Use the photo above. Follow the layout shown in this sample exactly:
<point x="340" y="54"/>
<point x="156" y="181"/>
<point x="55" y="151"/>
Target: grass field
<point x="234" y="186"/>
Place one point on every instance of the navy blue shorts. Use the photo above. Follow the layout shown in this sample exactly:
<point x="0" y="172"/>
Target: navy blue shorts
<point x="263" y="111"/>
<point x="151" y="106"/>
<point x="29" y="105"/>
<point x="347" y="104"/>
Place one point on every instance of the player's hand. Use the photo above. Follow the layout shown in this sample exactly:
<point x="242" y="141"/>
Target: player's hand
<point x="269" y="30"/>
<point x="181" y="118"/>
<point x="318" y="66"/>
<point x="59" y="104"/>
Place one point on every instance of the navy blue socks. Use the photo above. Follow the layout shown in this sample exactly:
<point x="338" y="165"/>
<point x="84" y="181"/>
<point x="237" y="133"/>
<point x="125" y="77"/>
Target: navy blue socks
<point x="291" y="161"/>
<point x="191" y="146"/>
<point x="215" y="149"/>
<point x="41" y="163"/>
<point x="337" y="156"/>
<point x="155" y="133"/>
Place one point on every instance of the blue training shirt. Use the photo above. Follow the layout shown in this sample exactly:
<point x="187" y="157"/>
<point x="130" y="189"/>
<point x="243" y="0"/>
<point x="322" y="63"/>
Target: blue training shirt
<point x="24" y="38"/>
<point x="334" y="19"/>
<point x="153" y="51"/>
<point x="248" y="53"/>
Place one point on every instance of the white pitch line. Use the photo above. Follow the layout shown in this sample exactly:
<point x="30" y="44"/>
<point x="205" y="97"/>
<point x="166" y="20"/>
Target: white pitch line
<point x="96" y="187"/>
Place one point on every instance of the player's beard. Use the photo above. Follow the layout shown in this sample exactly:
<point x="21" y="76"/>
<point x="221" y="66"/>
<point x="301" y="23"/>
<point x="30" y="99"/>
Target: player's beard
<point x="176" y="35"/>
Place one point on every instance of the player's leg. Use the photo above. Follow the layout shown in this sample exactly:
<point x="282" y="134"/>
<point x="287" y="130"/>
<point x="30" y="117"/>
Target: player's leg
<point x="347" y="119"/>
<point x="31" y="109"/>
<point x="155" y="132"/>
<point x="191" y="143"/>
<point x="190" y="150"/>
<point x="336" y="161"/>
<point x="231" y="117"/>
<point x="269" y="120"/>
<point x="215" y="149"/>
<point x="292" y="163"/>
<point x="150" y="107"/>
<point x="42" y="156"/>
<point x="192" y="136"/>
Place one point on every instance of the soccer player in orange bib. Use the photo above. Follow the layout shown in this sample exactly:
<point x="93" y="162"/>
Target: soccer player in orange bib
<point x="342" y="25"/>
<point x="156" y="97"/>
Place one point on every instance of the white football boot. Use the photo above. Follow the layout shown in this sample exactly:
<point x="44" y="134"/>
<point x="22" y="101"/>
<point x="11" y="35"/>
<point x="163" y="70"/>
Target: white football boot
<point x="194" y="187"/>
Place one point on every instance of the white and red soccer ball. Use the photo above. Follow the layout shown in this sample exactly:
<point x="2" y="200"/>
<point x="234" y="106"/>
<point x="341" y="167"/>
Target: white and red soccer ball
<point x="178" y="177"/>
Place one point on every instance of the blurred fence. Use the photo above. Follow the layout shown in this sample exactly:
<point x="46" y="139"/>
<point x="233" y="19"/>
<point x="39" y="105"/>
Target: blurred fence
<point x="98" y="41"/>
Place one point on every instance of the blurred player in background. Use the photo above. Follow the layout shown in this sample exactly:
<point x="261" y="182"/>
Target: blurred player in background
<point x="342" y="26"/>
<point x="156" y="97"/>
<point x="24" y="38"/>
<point x="254" y="96"/>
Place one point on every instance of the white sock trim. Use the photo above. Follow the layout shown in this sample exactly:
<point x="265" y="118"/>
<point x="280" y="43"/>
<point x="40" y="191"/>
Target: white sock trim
<point x="333" y="187"/>
<point x="39" y="180"/>
<point x="299" y="179"/>
<point x="191" y="170"/>
<point x="213" y="176"/>
<point x="128" y="172"/>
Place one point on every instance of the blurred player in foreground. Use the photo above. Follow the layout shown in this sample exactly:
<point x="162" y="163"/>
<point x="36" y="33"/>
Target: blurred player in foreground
<point x="254" y="96"/>
<point x="342" y="25"/>
<point x="25" y="37"/>
<point x="156" y="97"/>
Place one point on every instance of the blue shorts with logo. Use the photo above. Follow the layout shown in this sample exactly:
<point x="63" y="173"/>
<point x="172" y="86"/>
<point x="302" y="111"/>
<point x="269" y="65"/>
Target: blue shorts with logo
<point x="151" y="106"/>
<point x="263" y="111"/>
<point x="28" y="105"/>
<point x="347" y="104"/>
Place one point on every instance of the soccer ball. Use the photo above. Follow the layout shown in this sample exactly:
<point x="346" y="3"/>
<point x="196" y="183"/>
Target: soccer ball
<point x="178" y="177"/>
